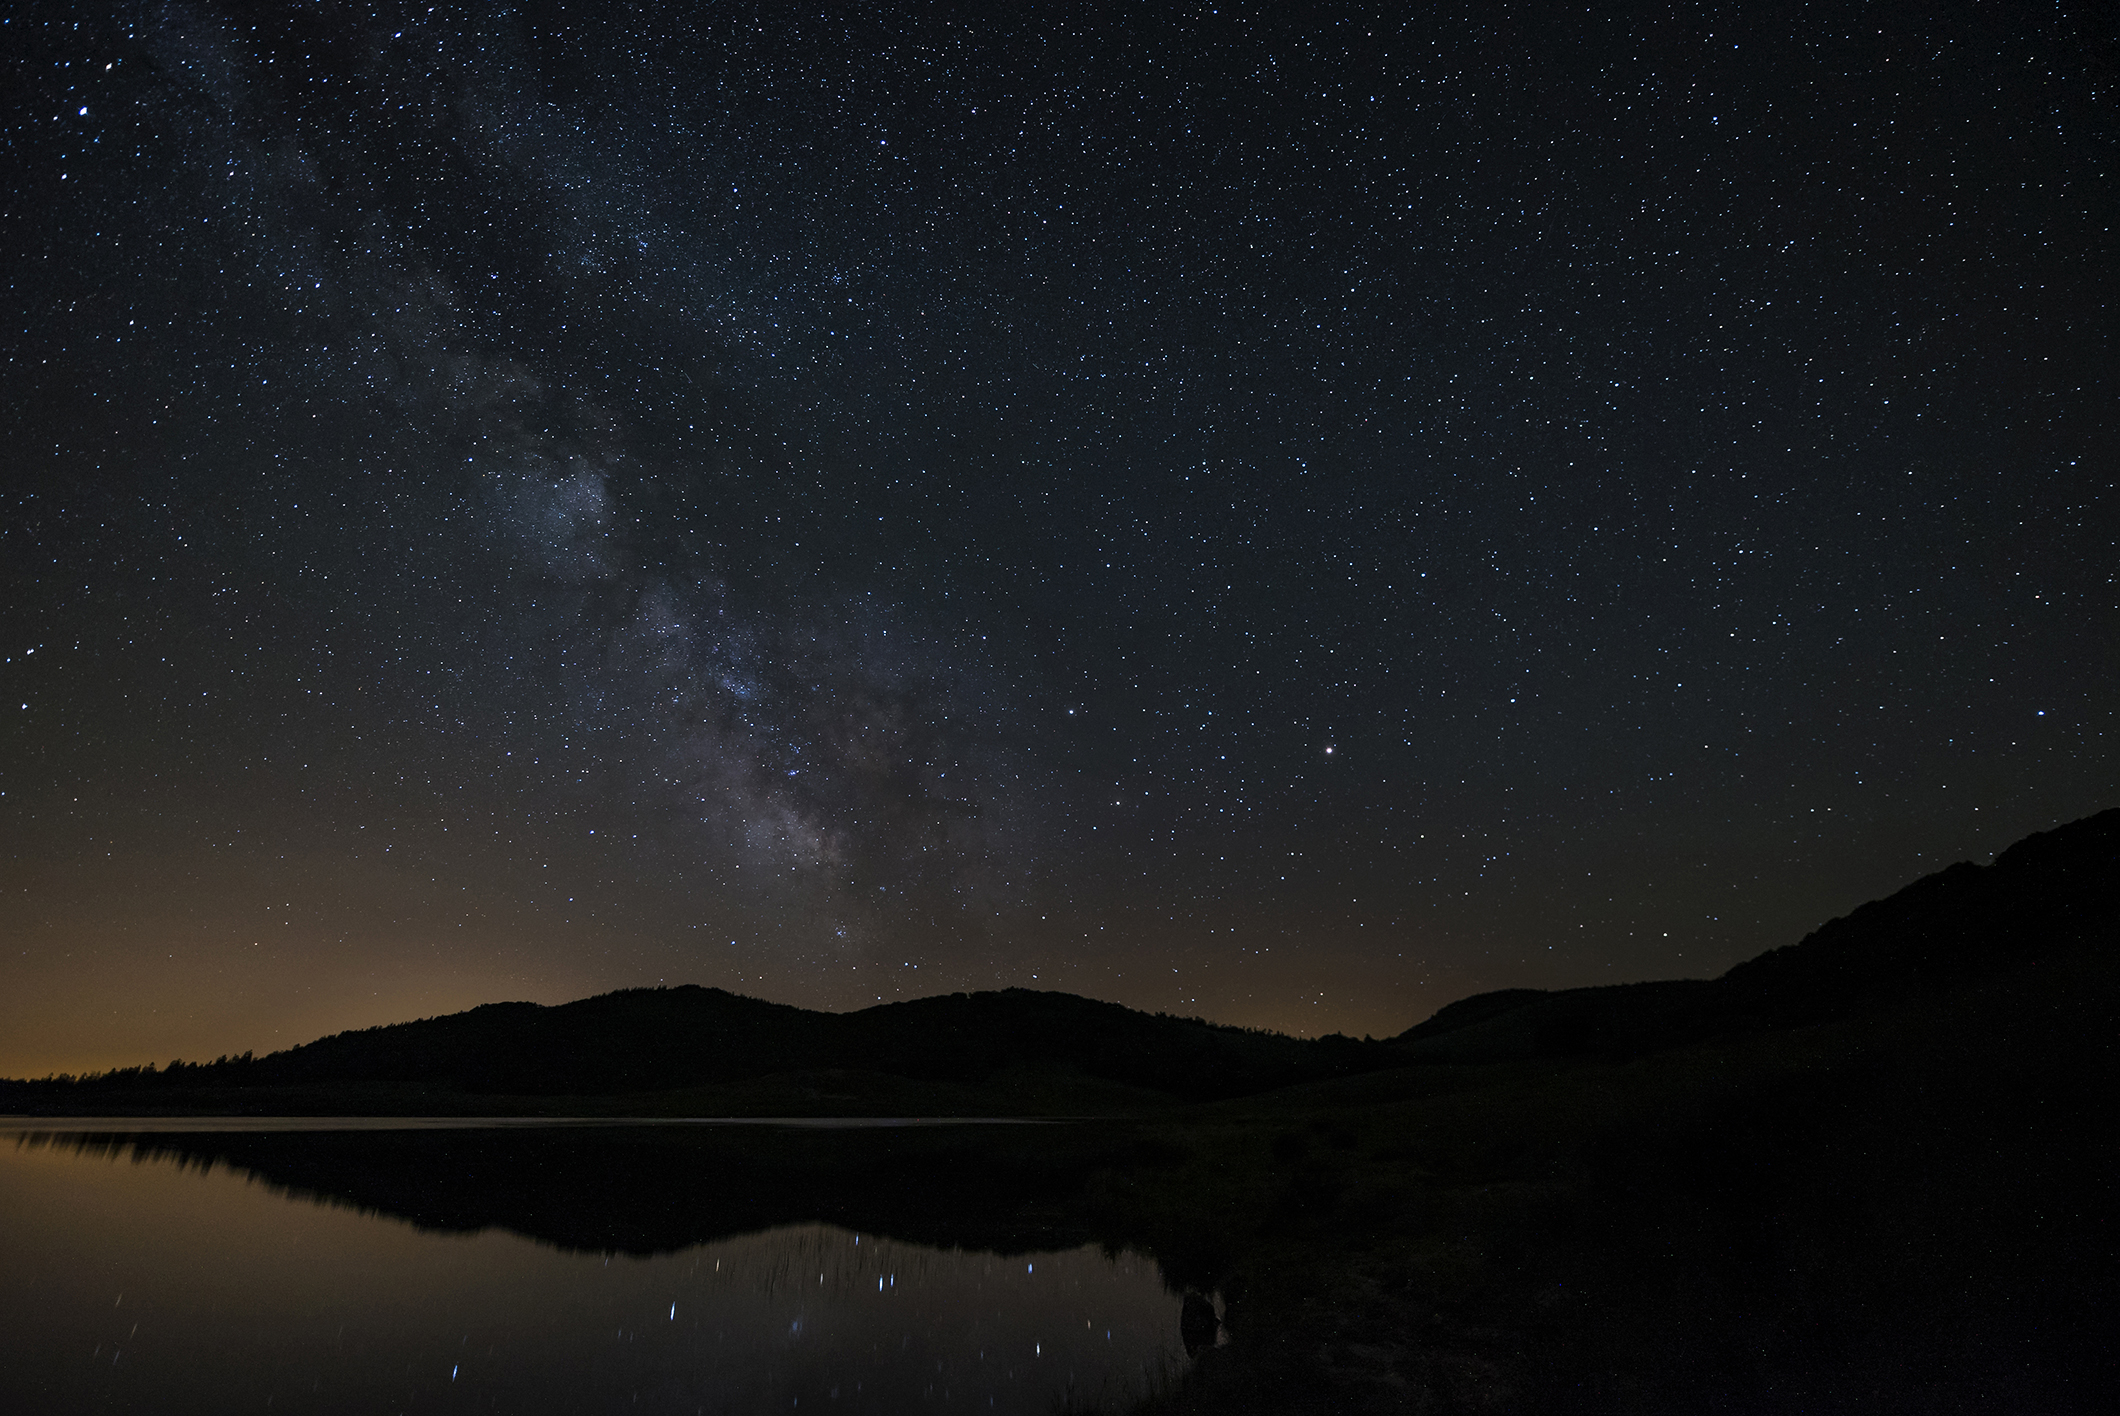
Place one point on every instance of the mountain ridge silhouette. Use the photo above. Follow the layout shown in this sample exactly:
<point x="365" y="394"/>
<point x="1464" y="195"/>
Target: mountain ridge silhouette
<point x="663" y="1038"/>
<point x="2048" y="892"/>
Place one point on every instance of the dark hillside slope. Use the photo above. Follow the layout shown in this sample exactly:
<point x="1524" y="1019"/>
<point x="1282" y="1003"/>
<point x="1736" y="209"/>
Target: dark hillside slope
<point x="2048" y="893"/>
<point x="2045" y="893"/>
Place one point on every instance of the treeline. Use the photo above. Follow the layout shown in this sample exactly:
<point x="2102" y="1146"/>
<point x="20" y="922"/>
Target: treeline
<point x="225" y="1070"/>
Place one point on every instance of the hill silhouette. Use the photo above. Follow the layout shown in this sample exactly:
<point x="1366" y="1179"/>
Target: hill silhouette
<point x="664" y="1040"/>
<point x="1024" y="1051"/>
<point x="2044" y="895"/>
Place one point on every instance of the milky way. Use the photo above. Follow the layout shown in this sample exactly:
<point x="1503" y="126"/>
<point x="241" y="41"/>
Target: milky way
<point x="1289" y="516"/>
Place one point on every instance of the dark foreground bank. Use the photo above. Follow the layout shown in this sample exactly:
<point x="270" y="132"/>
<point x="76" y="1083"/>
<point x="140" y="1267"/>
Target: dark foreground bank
<point x="1872" y="1172"/>
<point x="1869" y="1173"/>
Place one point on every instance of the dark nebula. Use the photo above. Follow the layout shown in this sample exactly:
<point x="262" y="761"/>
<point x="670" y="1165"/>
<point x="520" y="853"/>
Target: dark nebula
<point x="1290" y="514"/>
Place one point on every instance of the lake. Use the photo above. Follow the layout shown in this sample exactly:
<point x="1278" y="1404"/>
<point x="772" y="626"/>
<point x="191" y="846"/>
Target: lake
<point x="267" y="1267"/>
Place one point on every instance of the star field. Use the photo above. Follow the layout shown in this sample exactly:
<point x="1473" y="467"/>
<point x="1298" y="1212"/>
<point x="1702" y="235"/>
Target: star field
<point x="1291" y="514"/>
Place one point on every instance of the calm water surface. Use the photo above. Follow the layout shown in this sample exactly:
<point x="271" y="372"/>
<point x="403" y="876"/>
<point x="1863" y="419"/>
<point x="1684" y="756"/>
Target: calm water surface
<point x="150" y="1284"/>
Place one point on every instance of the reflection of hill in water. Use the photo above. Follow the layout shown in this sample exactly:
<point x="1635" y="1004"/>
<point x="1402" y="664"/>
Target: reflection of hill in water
<point x="139" y="1288"/>
<point x="650" y="1190"/>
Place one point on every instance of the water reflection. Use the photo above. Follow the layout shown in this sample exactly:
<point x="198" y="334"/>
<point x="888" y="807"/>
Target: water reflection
<point x="169" y="1276"/>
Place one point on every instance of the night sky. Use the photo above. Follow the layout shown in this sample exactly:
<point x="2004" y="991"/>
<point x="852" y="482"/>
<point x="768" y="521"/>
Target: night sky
<point x="1285" y="514"/>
